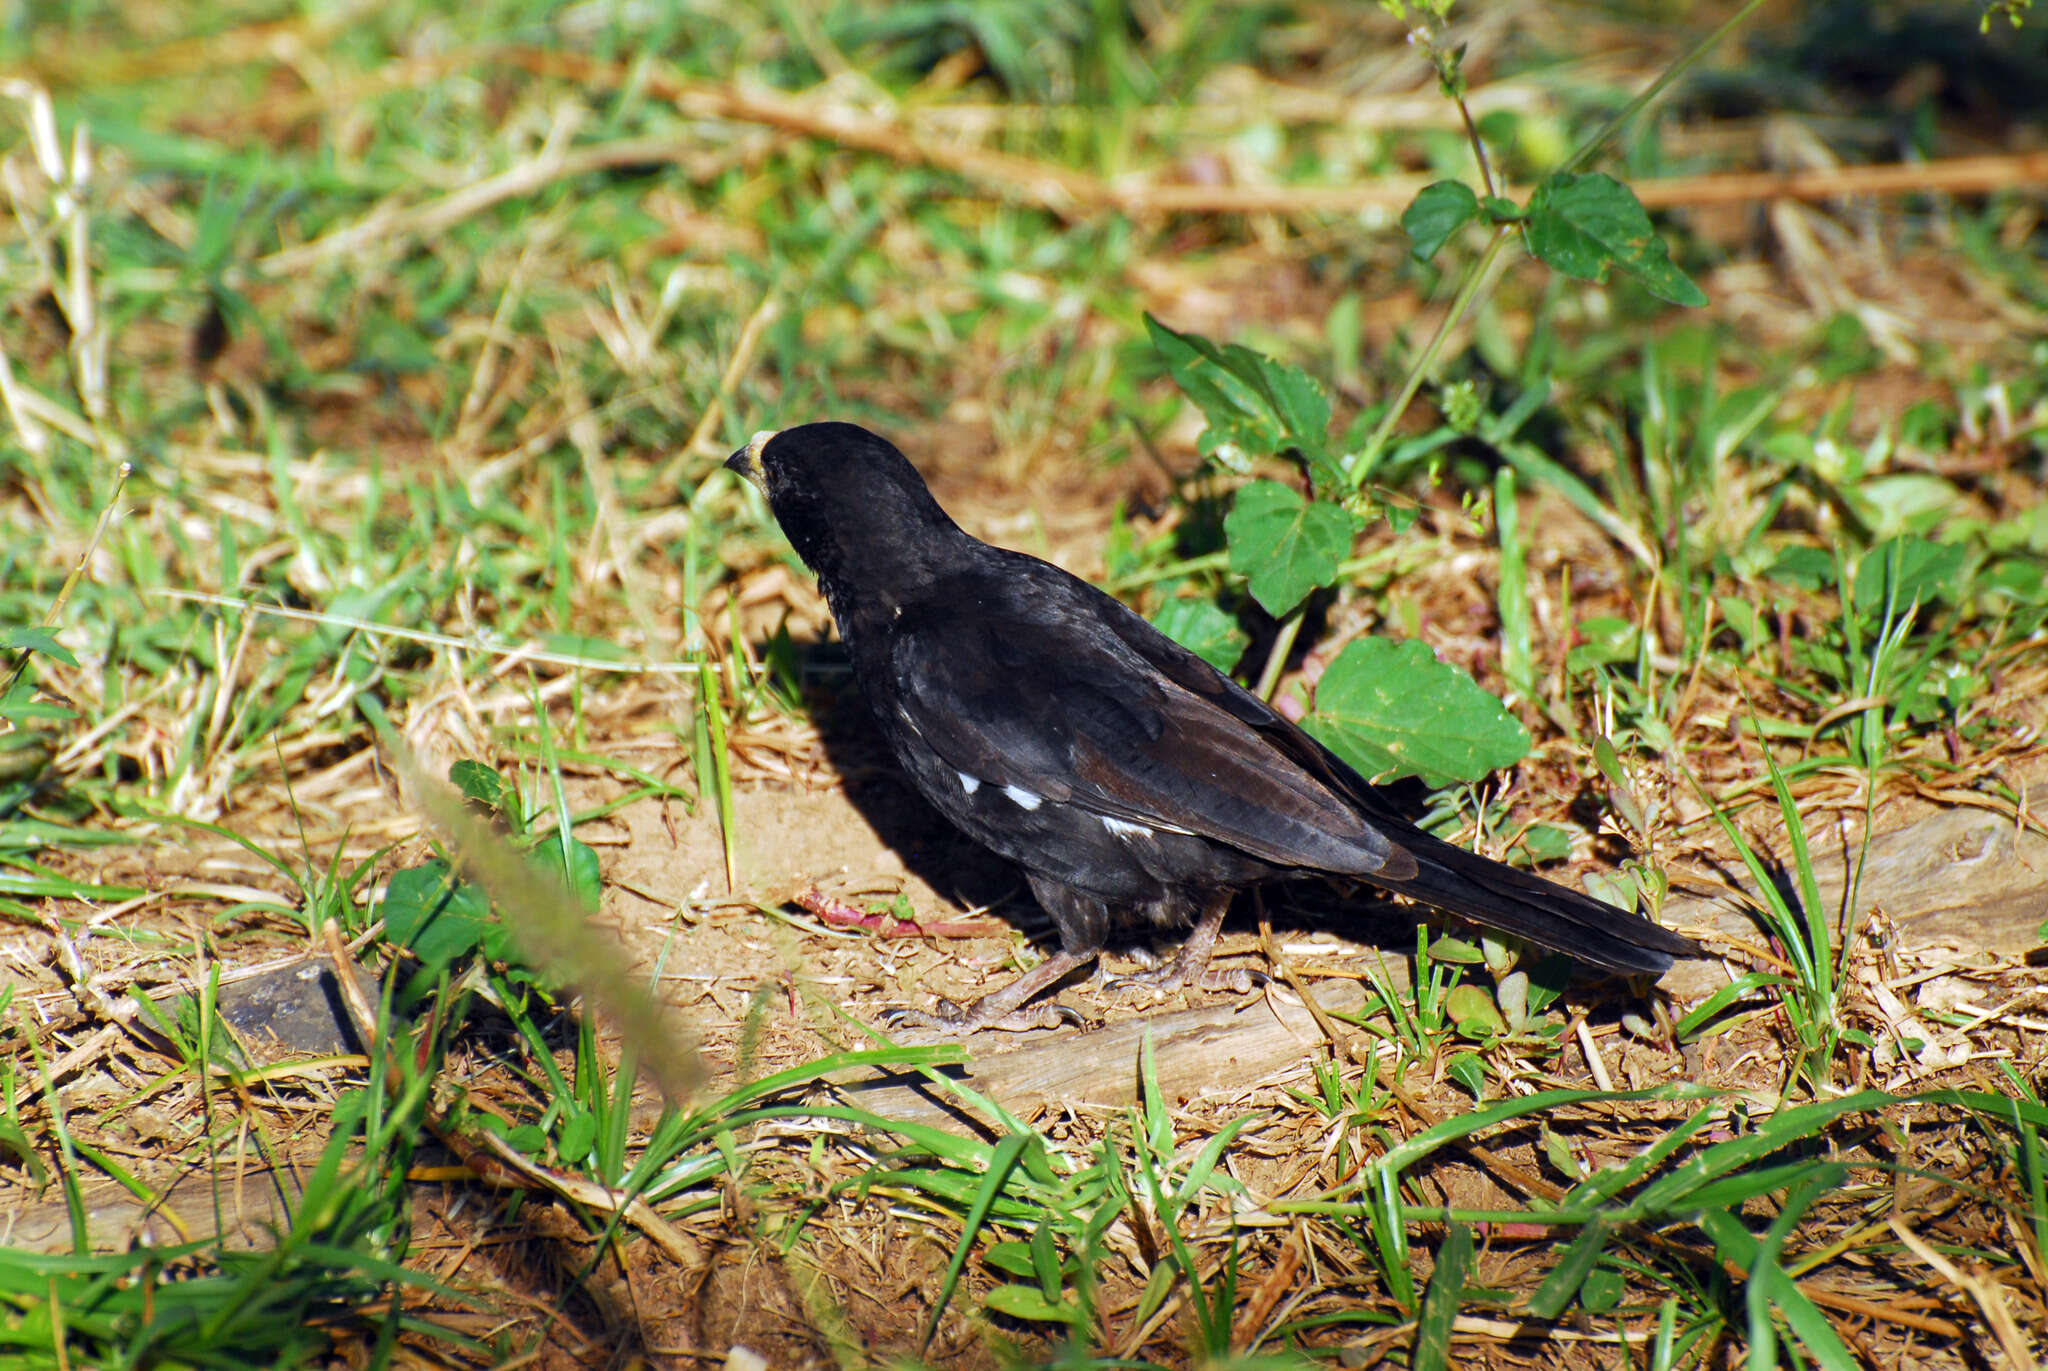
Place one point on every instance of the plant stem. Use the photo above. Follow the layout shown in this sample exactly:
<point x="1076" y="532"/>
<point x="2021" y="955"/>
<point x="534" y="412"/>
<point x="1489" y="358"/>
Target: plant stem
<point x="1656" y="88"/>
<point x="1283" y="648"/>
<point x="1468" y="290"/>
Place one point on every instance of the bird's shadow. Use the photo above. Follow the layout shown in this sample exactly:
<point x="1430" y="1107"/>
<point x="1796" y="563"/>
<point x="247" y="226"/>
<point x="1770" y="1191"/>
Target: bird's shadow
<point x="953" y="865"/>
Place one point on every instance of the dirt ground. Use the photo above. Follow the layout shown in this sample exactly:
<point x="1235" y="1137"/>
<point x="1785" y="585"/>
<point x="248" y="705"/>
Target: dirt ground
<point x="764" y="980"/>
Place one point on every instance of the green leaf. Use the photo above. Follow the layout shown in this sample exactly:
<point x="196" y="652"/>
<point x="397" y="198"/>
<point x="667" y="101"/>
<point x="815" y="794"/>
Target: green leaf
<point x="1913" y="569"/>
<point x="1303" y="409"/>
<point x="582" y="873"/>
<point x="1474" y="1011"/>
<point x="1002" y="1160"/>
<point x="1045" y="1262"/>
<point x="1570" y="1273"/>
<point x="2017" y="578"/>
<point x="528" y="1139"/>
<point x="1437" y="212"/>
<point x="1284" y="545"/>
<point x="1715" y="1004"/>
<point x="1392" y="709"/>
<point x="1238" y="431"/>
<point x="1581" y="225"/>
<point x="477" y="782"/>
<point x="1560" y="1154"/>
<point x="589" y="646"/>
<point x="14" y="1140"/>
<point x="1547" y="842"/>
<point x="440" y="918"/>
<point x="1904" y="502"/>
<point x="1028" y="1302"/>
<point x="1256" y="407"/>
<point x="17" y="708"/>
<point x="1745" y="618"/>
<point x="1516" y="655"/>
<point x="1455" y="951"/>
<point x="1603" y="640"/>
<point x="1806" y="567"/>
<point x="577" y="1136"/>
<point x="1011" y="1258"/>
<point x="1203" y="628"/>
<point x="1778" y="1291"/>
<point x="36" y="640"/>
<point x="1602" y="1290"/>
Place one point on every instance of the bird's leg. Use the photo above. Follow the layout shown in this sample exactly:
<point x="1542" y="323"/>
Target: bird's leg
<point x="1004" y="1008"/>
<point x="1190" y="965"/>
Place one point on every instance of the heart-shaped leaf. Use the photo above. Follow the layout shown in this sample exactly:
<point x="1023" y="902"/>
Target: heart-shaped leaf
<point x="1437" y="212"/>
<point x="1581" y="225"/>
<point x="1392" y="709"/>
<point x="1284" y="545"/>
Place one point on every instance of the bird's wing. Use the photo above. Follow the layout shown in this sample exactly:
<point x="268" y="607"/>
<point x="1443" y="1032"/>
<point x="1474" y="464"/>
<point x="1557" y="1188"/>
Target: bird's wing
<point x="1436" y="872"/>
<point x="1032" y="688"/>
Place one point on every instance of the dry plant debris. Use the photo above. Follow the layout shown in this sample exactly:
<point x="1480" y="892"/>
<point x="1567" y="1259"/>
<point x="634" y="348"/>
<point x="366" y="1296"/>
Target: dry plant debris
<point x="419" y="344"/>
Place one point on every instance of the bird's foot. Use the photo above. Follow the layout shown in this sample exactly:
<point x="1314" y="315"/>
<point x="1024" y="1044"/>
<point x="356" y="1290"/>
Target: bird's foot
<point x="1010" y="1007"/>
<point x="947" y="1019"/>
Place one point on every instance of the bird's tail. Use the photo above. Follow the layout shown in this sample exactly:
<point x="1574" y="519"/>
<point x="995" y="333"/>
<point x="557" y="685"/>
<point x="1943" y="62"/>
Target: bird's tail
<point x="1533" y="909"/>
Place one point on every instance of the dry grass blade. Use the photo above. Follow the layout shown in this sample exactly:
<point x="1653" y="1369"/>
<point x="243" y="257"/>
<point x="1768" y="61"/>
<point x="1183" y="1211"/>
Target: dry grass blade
<point x="743" y="349"/>
<point x="1988" y="1298"/>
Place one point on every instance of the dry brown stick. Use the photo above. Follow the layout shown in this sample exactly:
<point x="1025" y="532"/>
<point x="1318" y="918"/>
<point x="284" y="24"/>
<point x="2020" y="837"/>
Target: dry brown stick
<point x="1055" y="187"/>
<point x="1945" y="176"/>
<point x="1949" y="176"/>
<point x="1880" y="1313"/>
<point x="1064" y="190"/>
<point x="1987" y="1296"/>
<point x="1338" y="1041"/>
<point x="494" y="1161"/>
<point x="735" y="370"/>
<point x="279" y="43"/>
<point x="1277" y="1284"/>
<point x="71" y="64"/>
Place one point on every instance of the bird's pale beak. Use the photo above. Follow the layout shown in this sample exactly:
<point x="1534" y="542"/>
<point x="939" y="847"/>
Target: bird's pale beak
<point x="747" y="461"/>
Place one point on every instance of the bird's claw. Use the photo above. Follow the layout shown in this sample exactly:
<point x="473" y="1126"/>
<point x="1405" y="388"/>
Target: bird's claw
<point x="1238" y="980"/>
<point x="952" y="1020"/>
<point x="1165" y="978"/>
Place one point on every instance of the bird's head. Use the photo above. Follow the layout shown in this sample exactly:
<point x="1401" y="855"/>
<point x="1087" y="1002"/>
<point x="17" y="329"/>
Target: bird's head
<point x="853" y="507"/>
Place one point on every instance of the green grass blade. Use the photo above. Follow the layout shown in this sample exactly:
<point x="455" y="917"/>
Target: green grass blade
<point x="1775" y="1289"/>
<point x="1454" y="1262"/>
<point x="1001" y="1162"/>
<point x="1564" y="1280"/>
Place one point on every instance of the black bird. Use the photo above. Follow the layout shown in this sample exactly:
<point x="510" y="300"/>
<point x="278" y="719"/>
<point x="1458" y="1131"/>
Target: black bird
<point x="1136" y="785"/>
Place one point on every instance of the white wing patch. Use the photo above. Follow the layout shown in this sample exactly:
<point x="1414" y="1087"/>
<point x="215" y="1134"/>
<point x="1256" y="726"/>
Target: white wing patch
<point x="1120" y="829"/>
<point x="968" y="783"/>
<point x="1024" y="799"/>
